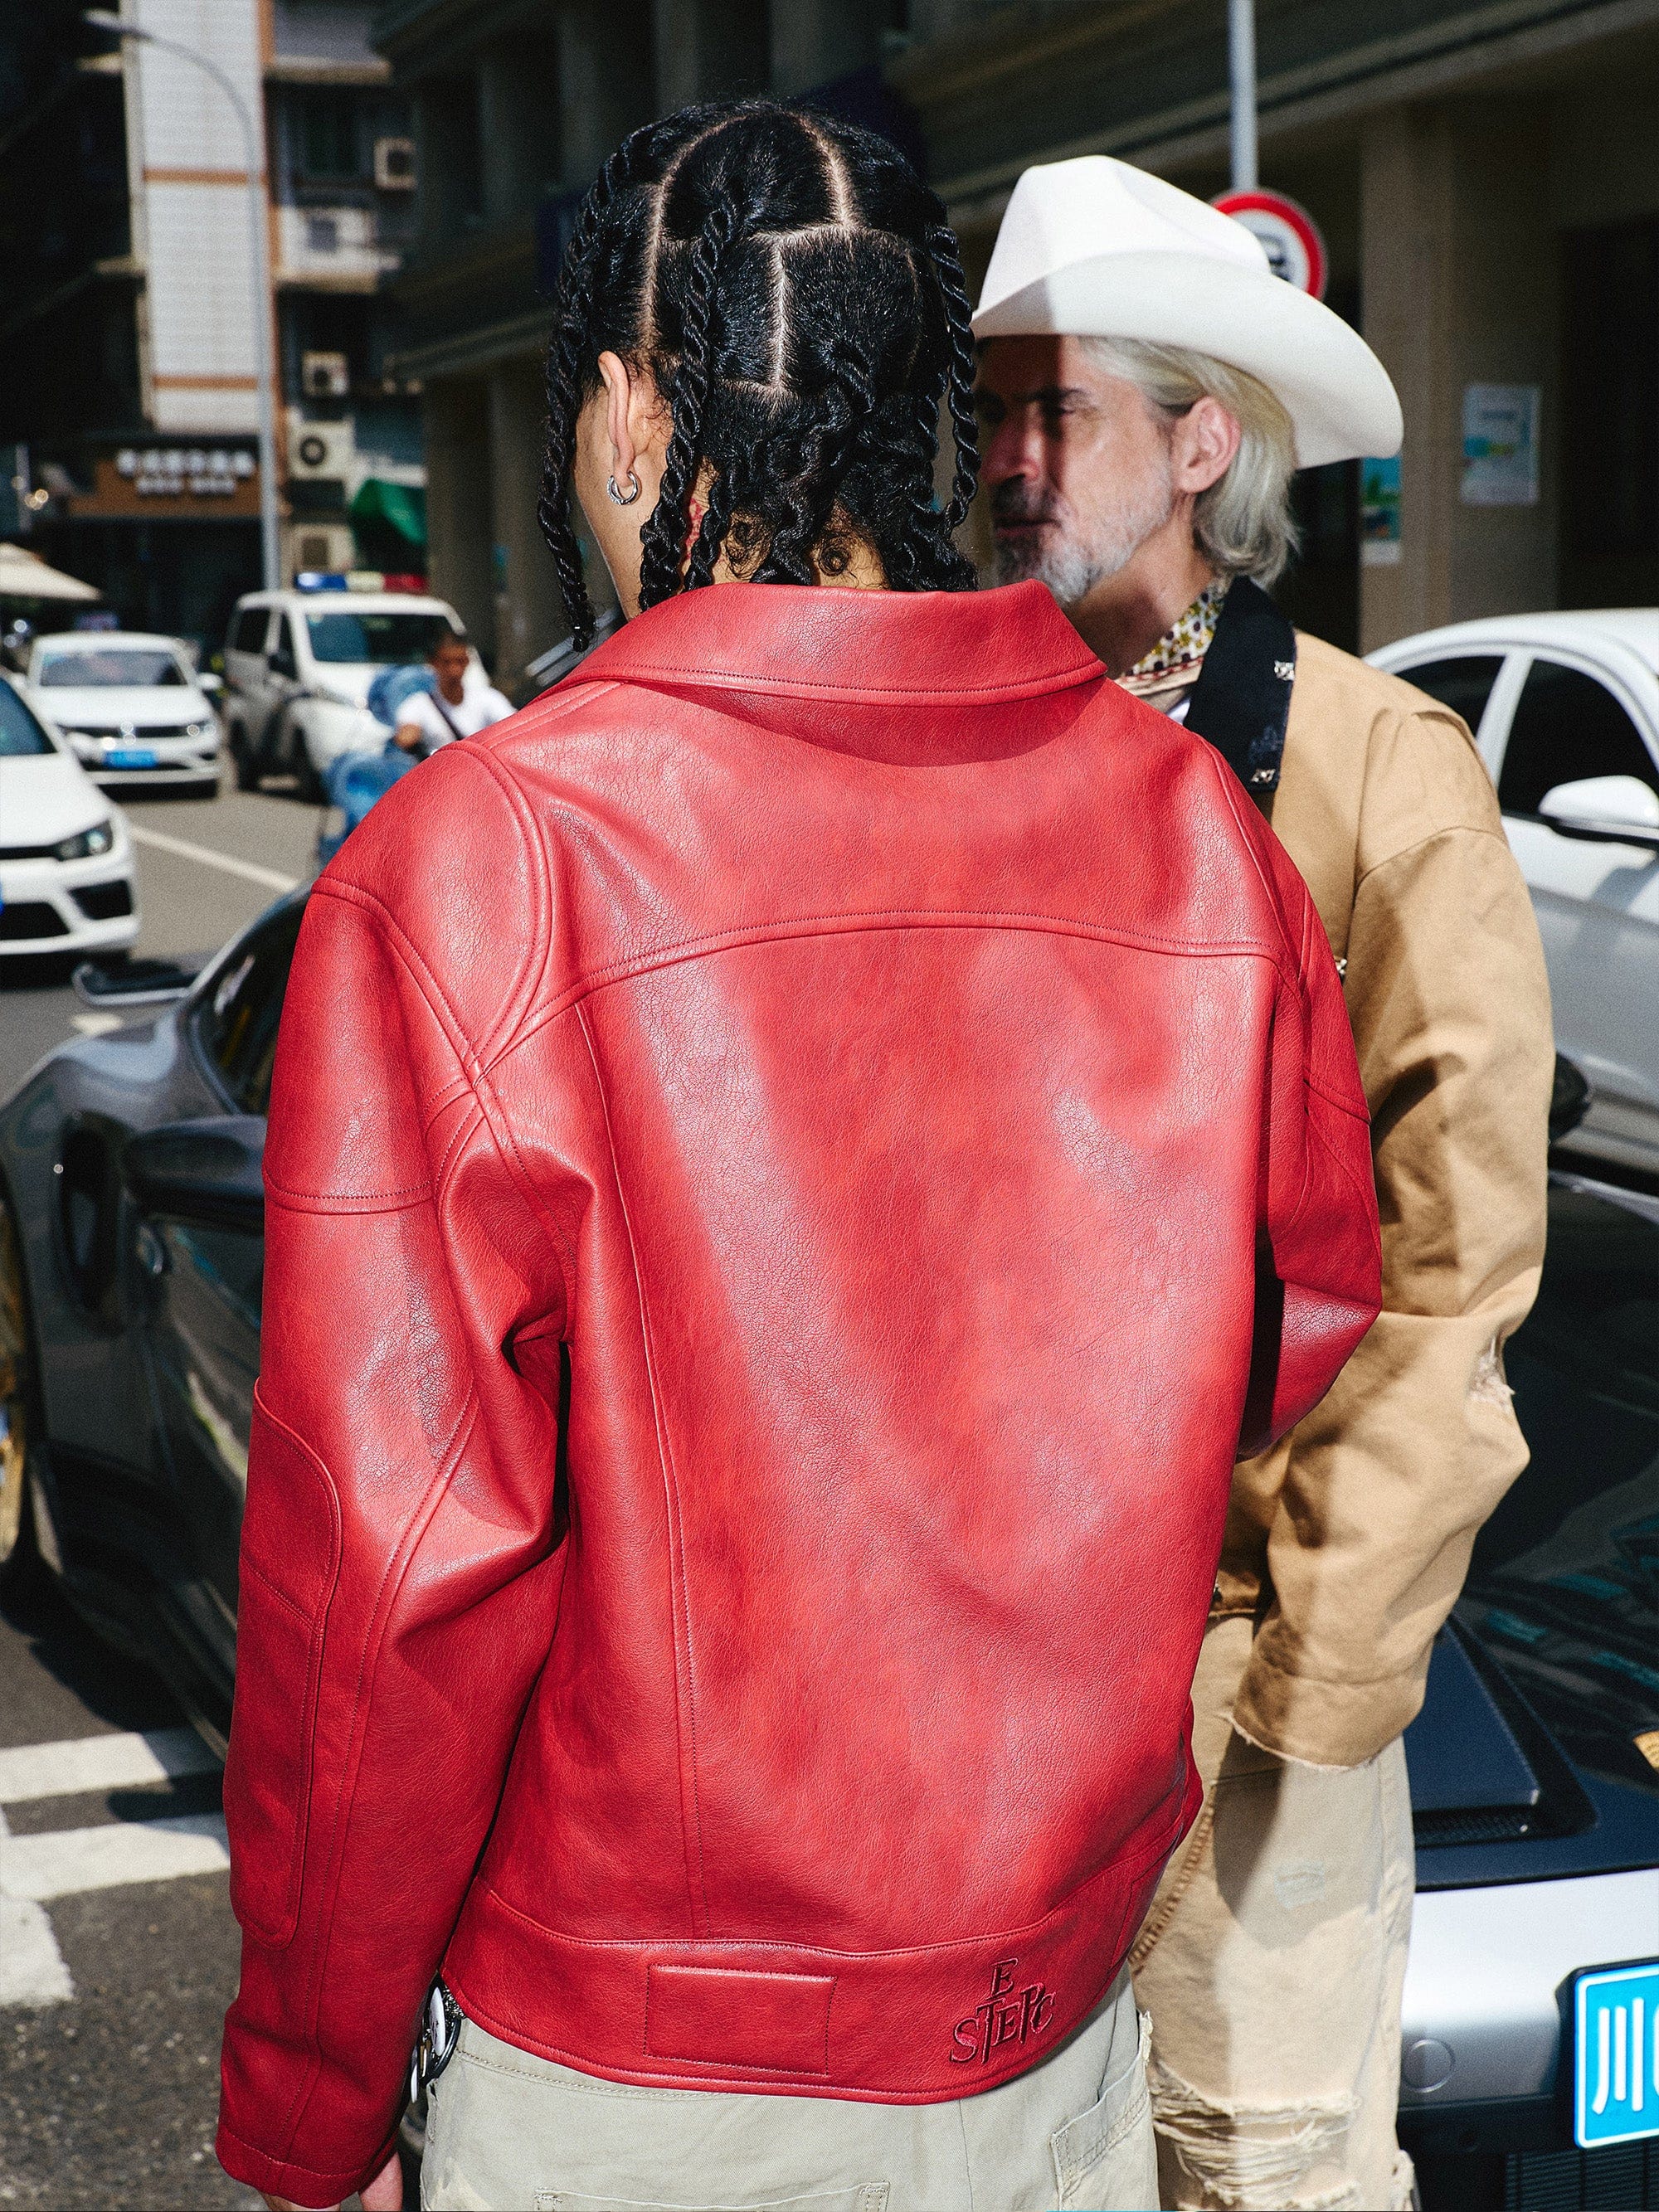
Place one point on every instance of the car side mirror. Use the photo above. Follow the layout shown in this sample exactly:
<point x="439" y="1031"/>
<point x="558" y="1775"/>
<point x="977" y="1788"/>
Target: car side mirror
<point x="208" y="682"/>
<point x="1605" y="810"/>
<point x="210" y="1173"/>
<point x="133" y="983"/>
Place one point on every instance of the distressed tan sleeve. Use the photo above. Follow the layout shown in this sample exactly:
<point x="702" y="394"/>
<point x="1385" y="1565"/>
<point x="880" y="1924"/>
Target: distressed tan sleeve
<point x="1372" y="1505"/>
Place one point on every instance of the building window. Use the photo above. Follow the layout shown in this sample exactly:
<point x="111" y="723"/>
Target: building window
<point x="1610" y="411"/>
<point x="330" y="144"/>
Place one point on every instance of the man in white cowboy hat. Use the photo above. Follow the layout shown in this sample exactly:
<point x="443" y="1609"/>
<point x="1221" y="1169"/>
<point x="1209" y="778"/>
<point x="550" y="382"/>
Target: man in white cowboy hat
<point x="1149" y="390"/>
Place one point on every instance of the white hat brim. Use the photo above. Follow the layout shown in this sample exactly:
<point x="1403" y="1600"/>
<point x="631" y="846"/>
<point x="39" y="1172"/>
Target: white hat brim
<point x="1336" y="392"/>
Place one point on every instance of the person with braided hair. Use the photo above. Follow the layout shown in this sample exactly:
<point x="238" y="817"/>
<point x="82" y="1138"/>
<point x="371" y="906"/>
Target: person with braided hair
<point x="795" y="1163"/>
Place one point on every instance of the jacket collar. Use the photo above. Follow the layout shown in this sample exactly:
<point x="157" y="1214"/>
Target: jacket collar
<point x="805" y="640"/>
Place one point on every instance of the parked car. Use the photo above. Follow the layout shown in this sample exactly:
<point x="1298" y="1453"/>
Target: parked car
<point x="298" y="666"/>
<point x="131" y="1254"/>
<point x="67" y="880"/>
<point x="130" y="707"/>
<point x="1566" y="711"/>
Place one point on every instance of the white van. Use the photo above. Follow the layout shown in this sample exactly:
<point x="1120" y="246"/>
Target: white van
<point x="298" y="666"/>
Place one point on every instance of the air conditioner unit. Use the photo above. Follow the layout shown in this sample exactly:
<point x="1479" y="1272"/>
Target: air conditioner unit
<point x="394" y="165"/>
<point x="321" y="449"/>
<point x="325" y="375"/>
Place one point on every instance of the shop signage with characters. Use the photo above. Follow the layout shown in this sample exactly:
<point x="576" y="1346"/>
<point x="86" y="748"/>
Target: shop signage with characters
<point x="197" y="480"/>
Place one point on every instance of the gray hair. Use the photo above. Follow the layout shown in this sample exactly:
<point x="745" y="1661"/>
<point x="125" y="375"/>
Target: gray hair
<point x="1242" y="524"/>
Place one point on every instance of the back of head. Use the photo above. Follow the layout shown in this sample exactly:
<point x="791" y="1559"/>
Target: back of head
<point x="796" y="295"/>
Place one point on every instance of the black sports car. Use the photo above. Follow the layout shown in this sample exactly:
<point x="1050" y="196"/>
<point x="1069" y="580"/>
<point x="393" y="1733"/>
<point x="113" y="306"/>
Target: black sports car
<point x="130" y="1259"/>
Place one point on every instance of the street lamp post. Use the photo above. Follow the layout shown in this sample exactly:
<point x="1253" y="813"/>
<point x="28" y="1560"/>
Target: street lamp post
<point x="104" y="19"/>
<point x="1241" y="57"/>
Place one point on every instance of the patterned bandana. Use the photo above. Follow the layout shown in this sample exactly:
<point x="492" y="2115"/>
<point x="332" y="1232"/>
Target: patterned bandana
<point x="1164" y="676"/>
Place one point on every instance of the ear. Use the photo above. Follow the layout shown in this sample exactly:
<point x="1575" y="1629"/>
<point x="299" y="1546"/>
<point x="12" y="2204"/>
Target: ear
<point x="619" y="401"/>
<point x="1202" y="446"/>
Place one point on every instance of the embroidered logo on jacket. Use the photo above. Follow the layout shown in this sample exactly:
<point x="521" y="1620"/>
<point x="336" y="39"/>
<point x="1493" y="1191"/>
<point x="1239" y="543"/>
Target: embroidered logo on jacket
<point x="1008" y="2015"/>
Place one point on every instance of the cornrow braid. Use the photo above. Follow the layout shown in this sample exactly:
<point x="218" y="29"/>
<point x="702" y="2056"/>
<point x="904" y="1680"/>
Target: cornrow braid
<point x="946" y="256"/>
<point x="663" y="536"/>
<point x="791" y="290"/>
<point x="564" y="363"/>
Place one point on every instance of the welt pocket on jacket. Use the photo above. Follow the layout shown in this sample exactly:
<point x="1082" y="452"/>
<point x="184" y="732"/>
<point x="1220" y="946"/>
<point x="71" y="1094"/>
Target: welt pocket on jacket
<point x="290" y="1559"/>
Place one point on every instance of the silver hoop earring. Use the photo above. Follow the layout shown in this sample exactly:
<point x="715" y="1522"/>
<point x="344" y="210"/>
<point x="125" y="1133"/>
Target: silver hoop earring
<point x="624" y="498"/>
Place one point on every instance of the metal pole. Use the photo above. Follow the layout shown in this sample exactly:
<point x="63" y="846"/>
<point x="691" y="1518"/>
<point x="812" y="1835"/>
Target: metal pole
<point x="259" y="267"/>
<point x="1240" y="54"/>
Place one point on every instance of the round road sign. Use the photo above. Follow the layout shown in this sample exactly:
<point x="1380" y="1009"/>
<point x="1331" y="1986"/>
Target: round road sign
<point x="1295" y="249"/>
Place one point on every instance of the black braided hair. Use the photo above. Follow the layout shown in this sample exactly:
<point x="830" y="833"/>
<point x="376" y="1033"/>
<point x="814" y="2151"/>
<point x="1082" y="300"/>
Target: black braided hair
<point x="796" y="295"/>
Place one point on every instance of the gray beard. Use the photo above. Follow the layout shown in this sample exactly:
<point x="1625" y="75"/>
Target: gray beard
<point x="1071" y="566"/>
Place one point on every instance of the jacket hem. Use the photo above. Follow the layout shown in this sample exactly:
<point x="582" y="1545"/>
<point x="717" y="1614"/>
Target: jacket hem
<point x="917" y="2025"/>
<point x="280" y="2177"/>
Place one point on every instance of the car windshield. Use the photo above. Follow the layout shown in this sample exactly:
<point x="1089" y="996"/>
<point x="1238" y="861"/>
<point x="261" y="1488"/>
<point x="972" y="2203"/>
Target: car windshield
<point x="144" y="667"/>
<point x="1564" y="1582"/>
<point x="358" y="637"/>
<point x="19" y="733"/>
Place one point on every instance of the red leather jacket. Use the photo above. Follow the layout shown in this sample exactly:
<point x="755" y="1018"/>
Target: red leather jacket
<point x="780" y="1156"/>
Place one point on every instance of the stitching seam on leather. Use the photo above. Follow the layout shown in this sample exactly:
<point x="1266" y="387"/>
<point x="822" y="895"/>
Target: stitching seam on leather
<point x="1126" y="1868"/>
<point x="681" y="1606"/>
<point x="391" y="1581"/>
<point x="806" y="927"/>
<point x="701" y="678"/>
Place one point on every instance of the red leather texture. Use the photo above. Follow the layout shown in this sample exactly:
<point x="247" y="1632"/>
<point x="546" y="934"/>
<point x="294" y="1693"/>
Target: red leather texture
<point x="793" y="1163"/>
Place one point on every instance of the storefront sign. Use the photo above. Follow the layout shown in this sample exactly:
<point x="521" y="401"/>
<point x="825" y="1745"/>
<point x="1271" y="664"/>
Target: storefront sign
<point x="1379" y="512"/>
<point x="179" y="482"/>
<point x="1287" y="232"/>
<point x="1500" y="445"/>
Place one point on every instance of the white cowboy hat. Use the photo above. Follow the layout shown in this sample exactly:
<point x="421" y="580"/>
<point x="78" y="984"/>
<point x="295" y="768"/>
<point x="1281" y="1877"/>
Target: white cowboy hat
<point x="1094" y="248"/>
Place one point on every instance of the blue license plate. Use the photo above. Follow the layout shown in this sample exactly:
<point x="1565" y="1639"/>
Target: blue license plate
<point x="1616" y="2040"/>
<point x="130" y="757"/>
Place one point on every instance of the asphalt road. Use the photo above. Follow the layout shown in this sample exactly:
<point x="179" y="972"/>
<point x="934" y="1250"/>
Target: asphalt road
<point x="117" y="1951"/>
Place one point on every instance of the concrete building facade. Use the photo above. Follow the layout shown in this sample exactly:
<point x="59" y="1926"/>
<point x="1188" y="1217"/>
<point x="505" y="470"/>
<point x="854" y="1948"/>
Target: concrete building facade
<point x="1484" y="175"/>
<point x="129" y="377"/>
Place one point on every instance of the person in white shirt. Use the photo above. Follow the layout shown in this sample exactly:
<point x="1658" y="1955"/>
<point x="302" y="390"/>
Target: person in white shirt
<point x="456" y="708"/>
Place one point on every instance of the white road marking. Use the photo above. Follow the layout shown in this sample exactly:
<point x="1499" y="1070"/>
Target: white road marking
<point x="183" y="850"/>
<point x="94" y="1025"/>
<point x="66" y="1862"/>
<point x="100" y="1762"/>
<point x="32" y="1969"/>
<point x="74" y="1860"/>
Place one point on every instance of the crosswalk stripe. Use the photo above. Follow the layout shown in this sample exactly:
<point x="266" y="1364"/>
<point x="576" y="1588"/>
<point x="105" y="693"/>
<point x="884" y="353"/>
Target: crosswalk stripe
<point x="70" y="1861"/>
<point x="32" y="1969"/>
<point x="100" y="1762"/>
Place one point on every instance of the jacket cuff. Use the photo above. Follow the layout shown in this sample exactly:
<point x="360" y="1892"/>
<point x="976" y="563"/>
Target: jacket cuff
<point x="300" y="2184"/>
<point x="1322" y="1723"/>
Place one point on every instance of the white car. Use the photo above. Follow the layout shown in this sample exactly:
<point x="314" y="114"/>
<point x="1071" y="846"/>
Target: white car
<point x="299" y="665"/>
<point x="130" y="707"/>
<point x="67" y="880"/>
<point x="1565" y="708"/>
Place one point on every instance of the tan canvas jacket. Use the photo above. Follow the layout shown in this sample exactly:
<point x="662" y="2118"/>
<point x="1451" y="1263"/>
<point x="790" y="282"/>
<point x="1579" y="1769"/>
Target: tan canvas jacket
<point x="1351" y="1540"/>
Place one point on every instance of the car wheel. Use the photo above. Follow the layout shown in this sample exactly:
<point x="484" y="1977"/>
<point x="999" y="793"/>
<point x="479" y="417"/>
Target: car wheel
<point x="17" y="1403"/>
<point x="242" y="756"/>
<point x="308" y="784"/>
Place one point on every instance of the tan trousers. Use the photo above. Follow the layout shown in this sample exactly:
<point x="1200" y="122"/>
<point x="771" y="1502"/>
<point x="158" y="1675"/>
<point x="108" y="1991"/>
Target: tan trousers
<point x="1271" y="1964"/>
<point x="509" y="2132"/>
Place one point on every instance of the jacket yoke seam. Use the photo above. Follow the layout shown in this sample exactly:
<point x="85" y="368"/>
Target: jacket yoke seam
<point x="368" y="1659"/>
<point x="685" y="1696"/>
<point x="896" y="920"/>
<point x="522" y="993"/>
<point x="700" y="676"/>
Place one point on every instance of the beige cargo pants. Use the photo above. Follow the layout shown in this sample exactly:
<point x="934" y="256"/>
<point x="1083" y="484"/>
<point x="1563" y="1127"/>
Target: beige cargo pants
<point x="509" y="2132"/>
<point x="1272" y="1964"/>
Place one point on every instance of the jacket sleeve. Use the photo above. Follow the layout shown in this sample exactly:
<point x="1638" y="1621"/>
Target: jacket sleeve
<point x="1373" y="1506"/>
<point x="1317" y="1266"/>
<point x="400" y="1560"/>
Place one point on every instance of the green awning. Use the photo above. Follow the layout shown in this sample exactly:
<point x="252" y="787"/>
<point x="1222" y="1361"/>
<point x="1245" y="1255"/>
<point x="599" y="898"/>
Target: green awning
<point x="402" y="505"/>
